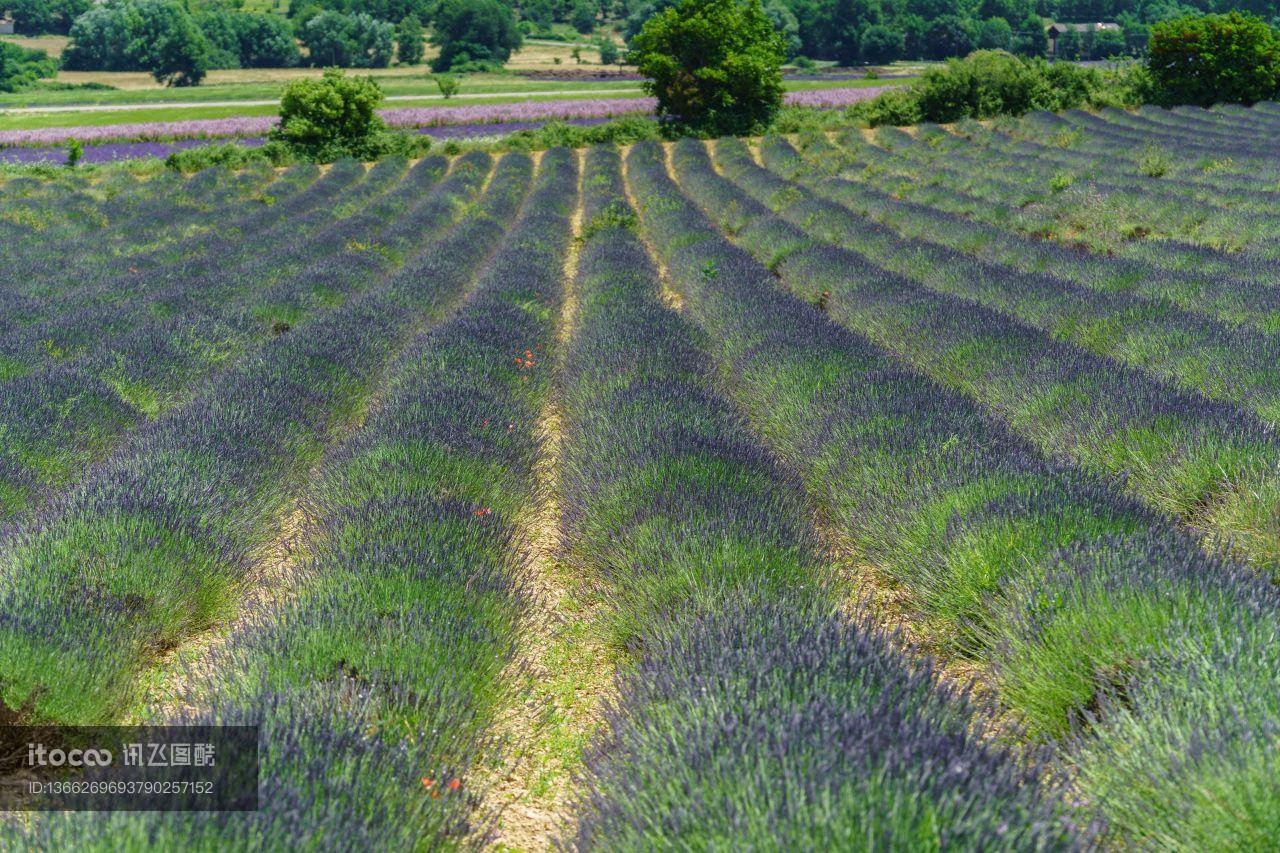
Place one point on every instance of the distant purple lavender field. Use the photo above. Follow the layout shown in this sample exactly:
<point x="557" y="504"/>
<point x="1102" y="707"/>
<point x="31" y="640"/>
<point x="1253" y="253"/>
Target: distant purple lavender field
<point x="157" y="139"/>
<point x="108" y="152"/>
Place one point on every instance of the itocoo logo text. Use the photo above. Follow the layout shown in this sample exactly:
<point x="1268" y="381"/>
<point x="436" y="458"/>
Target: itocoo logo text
<point x="38" y="755"/>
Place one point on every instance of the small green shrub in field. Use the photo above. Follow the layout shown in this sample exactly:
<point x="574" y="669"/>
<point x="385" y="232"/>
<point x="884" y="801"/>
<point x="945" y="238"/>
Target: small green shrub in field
<point x="608" y="51"/>
<point x="448" y="84"/>
<point x="896" y="108"/>
<point x="1067" y="138"/>
<point x="1154" y="162"/>
<point x="622" y="131"/>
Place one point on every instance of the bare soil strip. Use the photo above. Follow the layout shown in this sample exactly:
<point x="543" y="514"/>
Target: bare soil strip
<point x="563" y="671"/>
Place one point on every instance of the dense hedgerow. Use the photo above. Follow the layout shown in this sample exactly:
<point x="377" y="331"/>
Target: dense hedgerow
<point x="1094" y="616"/>
<point x="989" y="83"/>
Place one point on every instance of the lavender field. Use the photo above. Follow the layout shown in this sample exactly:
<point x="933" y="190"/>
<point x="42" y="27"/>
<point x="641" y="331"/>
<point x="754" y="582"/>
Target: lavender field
<point x="110" y="142"/>
<point x="897" y="489"/>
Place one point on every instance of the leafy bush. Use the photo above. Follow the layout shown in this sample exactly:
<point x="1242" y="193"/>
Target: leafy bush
<point x="1214" y="58"/>
<point x="482" y="66"/>
<point x="896" y="107"/>
<point x="948" y="36"/>
<point x="230" y="155"/>
<point x="335" y="116"/>
<point x="1125" y="84"/>
<point x="983" y="85"/>
<point x="139" y="35"/>
<point x="995" y="34"/>
<point x="1106" y="44"/>
<point x="1154" y="162"/>
<point x="881" y="45"/>
<point x="348" y="41"/>
<point x="715" y="66"/>
<point x="785" y="22"/>
<point x="1029" y="38"/>
<point x="473" y="31"/>
<point x="448" y="84"/>
<point x="583" y="16"/>
<point x="20" y="67"/>
<point x="47" y="85"/>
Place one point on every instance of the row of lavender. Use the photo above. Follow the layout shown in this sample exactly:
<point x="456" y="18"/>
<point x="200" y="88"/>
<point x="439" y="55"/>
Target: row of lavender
<point x="48" y="223"/>
<point x="1188" y="350"/>
<point x="59" y="410"/>
<point x="158" y="247"/>
<point x="131" y="344"/>
<point x="1180" y="187"/>
<point x="867" y="179"/>
<point x="1056" y="193"/>
<point x="1073" y="181"/>
<point x="376" y="685"/>
<point x="1147" y="666"/>
<point x="1183" y="347"/>
<point x="402" y="117"/>
<point x="755" y="716"/>
<point x="154" y="545"/>
<point x="1209" y="462"/>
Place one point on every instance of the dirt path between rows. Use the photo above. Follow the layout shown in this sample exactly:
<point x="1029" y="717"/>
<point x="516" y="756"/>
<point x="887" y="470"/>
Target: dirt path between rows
<point x="562" y="671"/>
